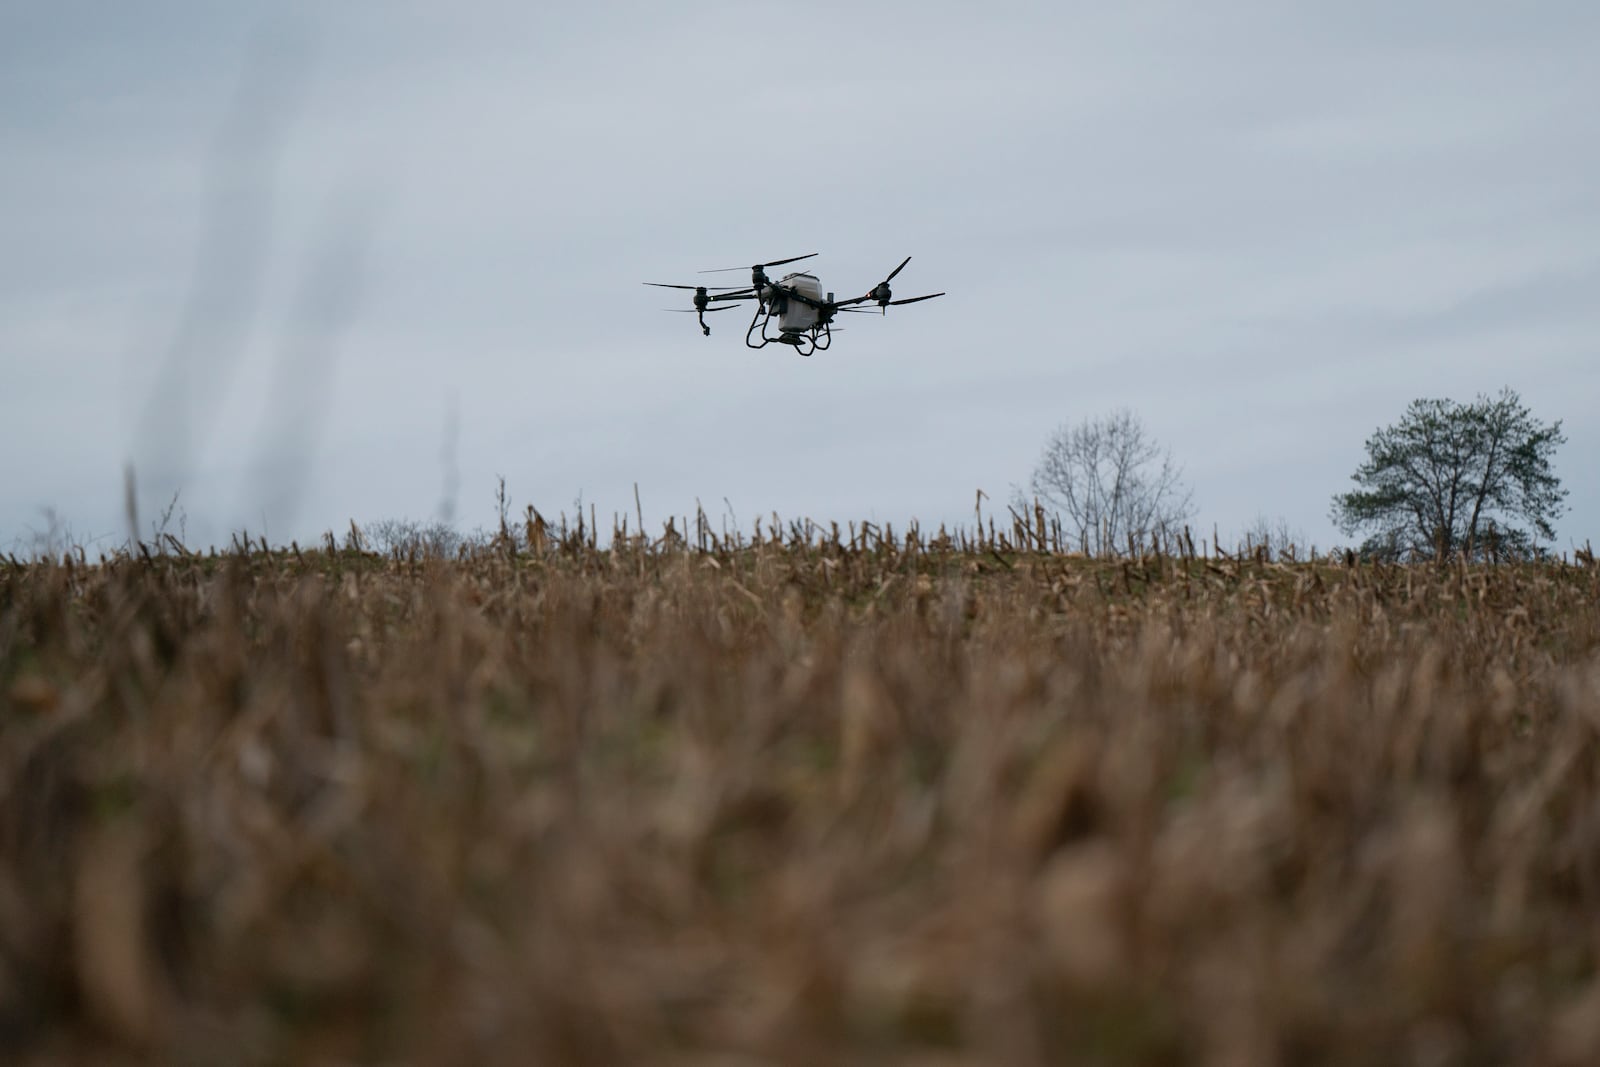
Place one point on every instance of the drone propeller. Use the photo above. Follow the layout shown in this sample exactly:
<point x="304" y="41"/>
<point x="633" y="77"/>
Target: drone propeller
<point x="697" y="288"/>
<point x="758" y="275"/>
<point x="759" y="266"/>
<point x="702" y="294"/>
<point x="914" y="299"/>
<point x="691" y="311"/>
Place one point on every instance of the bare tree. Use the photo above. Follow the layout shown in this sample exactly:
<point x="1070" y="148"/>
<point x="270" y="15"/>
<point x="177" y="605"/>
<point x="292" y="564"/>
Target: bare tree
<point x="1273" y="538"/>
<point x="433" y="540"/>
<point x="1112" y="483"/>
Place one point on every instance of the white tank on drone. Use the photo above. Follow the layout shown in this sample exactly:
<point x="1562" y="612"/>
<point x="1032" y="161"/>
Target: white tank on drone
<point x="795" y="315"/>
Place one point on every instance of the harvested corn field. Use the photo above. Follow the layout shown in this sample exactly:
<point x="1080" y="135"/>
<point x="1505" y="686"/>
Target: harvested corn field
<point x="796" y="801"/>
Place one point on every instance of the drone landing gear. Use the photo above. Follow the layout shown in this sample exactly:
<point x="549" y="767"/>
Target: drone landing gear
<point x="804" y="342"/>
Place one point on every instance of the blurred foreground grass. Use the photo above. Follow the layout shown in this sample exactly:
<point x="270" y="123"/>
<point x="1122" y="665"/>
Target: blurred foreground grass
<point x="797" y="803"/>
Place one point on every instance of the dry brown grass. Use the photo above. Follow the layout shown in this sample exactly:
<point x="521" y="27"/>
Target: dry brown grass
<point x="800" y="804"/>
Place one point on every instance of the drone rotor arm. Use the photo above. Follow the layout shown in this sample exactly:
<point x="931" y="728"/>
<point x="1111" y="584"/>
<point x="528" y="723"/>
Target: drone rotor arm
<point x="800" y="298"/>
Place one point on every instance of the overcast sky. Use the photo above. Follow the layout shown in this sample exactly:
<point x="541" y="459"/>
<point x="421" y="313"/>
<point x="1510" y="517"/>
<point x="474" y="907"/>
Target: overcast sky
<point x="307" y="264"/>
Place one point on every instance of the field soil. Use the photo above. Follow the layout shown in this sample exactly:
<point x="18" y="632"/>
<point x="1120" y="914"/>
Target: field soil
<point x="797" y="802"/>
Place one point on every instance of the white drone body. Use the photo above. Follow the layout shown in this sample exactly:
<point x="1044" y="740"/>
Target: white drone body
<point x="794" y="316"/>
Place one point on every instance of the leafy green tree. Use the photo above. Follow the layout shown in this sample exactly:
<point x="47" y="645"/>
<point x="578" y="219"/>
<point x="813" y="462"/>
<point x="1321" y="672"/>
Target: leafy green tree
<point x="1452" y="478"/>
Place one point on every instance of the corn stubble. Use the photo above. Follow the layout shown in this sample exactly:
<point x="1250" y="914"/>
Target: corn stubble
<point x="796" y="802"/>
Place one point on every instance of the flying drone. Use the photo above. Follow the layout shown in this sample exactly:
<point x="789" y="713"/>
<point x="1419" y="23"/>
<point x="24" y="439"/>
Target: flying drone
<point x="804" y="313"/>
